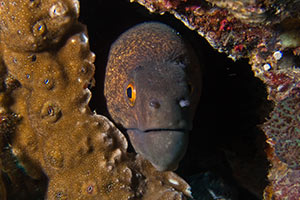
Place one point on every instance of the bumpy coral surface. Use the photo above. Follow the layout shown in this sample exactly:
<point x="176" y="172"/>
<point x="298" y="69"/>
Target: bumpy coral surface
<point x="47" y="68"/>
<point x="282" y="130"/>
<point x="266" y="32"/>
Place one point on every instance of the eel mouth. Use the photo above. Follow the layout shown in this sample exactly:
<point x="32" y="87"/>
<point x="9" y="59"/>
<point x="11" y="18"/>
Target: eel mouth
<point x="163" y="147"/>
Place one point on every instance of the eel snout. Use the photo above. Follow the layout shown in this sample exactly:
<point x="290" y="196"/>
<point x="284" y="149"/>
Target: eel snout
<point x="164" y="148"/>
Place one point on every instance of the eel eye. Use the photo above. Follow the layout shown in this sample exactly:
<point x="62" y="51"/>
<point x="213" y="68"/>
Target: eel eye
<point x="131" y="94"/>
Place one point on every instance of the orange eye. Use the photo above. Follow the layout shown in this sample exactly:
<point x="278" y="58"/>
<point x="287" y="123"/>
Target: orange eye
<point x="131" y="94"/>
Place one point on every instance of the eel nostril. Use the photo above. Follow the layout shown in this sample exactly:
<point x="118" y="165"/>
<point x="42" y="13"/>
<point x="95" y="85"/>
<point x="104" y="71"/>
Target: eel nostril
<point x="154" y="104"/>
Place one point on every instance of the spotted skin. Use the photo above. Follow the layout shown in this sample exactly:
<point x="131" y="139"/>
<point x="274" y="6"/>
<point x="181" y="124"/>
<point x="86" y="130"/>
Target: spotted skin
<point x="152" y="87"/>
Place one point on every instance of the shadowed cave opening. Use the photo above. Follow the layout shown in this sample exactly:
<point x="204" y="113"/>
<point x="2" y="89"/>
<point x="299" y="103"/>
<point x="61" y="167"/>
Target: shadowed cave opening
<point x="226" y="138"/>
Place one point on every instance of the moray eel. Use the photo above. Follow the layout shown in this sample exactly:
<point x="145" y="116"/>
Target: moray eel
<point x="152" y="86"/>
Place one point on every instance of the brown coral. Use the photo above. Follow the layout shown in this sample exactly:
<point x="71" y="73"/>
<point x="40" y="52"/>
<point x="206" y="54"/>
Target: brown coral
<point x="84" y="156"/>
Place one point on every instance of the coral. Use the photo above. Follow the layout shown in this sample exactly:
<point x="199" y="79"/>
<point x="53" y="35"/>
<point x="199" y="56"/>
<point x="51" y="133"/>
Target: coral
<point x="20" y="185"/>
<point x="267" y="33"/>
<point x="34" y="29"/>
<point x="259" y="12"/>
<point x="46" y="70"/>
<point x="282" y="130"/>
<point x="221" y="29"/>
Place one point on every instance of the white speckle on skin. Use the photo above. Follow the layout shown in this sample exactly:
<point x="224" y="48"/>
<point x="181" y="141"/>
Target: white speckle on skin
<point x="214" y="196"/>
<point x="82" y="110"/>
<point x="84" y="38"/>
<point x="109" y="167"/>
<point x="115" y="156"/>
<point x="267" y="67"/>
<point x="184" y="103"/>
<point x="76" y="5"/>
<point x="279" y="88"/>
<point x="277" y="55"/>
<point x="189" y="191"/>
<point x="57" y="10"/>
<point x="174" y="182"/>
<point x="88" y="95"/>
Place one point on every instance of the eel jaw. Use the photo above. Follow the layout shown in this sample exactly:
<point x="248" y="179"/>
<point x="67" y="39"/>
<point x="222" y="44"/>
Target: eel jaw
<point x="164" y="148"/>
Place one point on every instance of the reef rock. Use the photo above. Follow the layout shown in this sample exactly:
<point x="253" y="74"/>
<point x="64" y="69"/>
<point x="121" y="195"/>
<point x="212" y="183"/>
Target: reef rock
<point x="282" y="131"/>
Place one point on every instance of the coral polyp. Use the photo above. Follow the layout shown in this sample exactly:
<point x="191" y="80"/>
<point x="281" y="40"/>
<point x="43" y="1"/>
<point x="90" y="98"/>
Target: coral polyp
<point x="36" y="25"/>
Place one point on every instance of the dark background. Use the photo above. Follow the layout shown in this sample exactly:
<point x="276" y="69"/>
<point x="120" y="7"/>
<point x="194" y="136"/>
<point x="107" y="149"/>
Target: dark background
<point x="226" y="138"/>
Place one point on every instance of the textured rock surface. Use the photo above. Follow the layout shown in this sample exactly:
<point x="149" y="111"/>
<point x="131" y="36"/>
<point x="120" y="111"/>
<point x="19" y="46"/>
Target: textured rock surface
<point x="282" y="131"/>
<point x="45" y="73"/>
